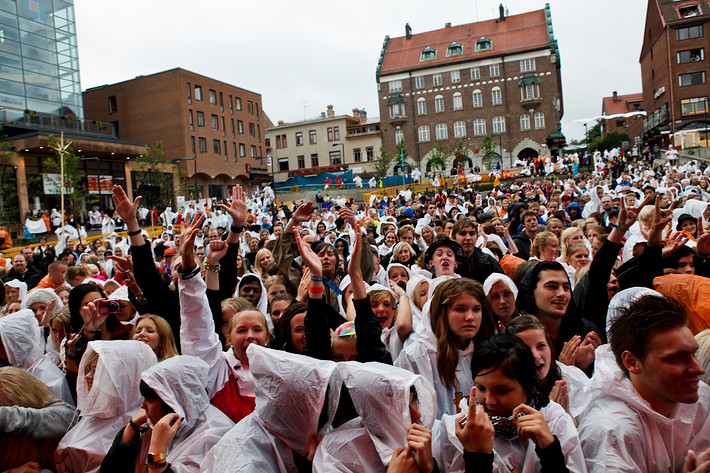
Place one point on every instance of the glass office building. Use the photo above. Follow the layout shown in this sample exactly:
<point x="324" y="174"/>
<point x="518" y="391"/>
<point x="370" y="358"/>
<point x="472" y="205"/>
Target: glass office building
<point x="39" y="63"/>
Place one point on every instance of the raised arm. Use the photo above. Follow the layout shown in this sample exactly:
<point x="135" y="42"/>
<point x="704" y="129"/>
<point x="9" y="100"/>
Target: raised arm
<point x="237" y="209"/>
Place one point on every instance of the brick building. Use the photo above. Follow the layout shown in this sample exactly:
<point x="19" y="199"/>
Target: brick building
<point x="463" y="82"/>
<point x="328" y="143"/>
<point x="616" y="106"/>
<point x="218" y="124"/>
<point x="674" y="73"/>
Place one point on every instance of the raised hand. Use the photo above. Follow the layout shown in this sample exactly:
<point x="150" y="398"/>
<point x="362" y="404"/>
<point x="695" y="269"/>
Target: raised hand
<point x="163" y="432"/>
<point x="217" y="250"/>
<point x="560" y="393"/>
<point x="477" y="434"/>
<point x="419" y="441"/>
<point x="187" y="241"/>
<point x="303" y="213"/>
<point x="308" y="256"/>
<point x="126" y="209"/>
<point x="238" y="208"/>
<point x="347" y="214"/>
<point x="628" y="215"/>
<point x="123" y="263"/>
<point x="703" y="242"/>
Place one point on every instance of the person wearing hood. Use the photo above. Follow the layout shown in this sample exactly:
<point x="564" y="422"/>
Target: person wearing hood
<point x="396" y="409"/>
<point x="108" y="396"/>
<point x="182" y="425"/>
<point x="277" y="437"/>
<point x="649" y="412"/>
<point x="574" y="211"/>
<point x="23" y="347"/>
<point x="476" y="264"/>
<point x="501" y="293"/>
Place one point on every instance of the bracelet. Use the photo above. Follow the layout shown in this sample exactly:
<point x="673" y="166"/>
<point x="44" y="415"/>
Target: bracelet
<point x="158" y="465"/>
<point x="137" y="428"/>
<point x="154" y="458"/>
<point x="315" y="290"/>
<point x="134" y="233"/>
<point x="190" y="273"/>
<point x="212" y="267"/>
<point x="316" y="278"/>
<point x="237" y="229"/>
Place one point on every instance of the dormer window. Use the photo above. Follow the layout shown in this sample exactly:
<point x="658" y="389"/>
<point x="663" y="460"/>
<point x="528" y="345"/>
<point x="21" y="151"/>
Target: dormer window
<point x="428" y="54"/>
<point x="484" y="44"/>
<point x="455" y="49"/>
<point x="689" y="11"/>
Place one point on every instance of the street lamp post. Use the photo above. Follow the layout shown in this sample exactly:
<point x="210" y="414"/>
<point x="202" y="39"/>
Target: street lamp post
<point x="194" y="160"/>
<point x="345" y="167"/>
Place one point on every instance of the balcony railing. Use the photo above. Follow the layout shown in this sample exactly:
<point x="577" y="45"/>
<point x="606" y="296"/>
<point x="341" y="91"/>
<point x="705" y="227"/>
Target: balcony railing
<point x="49" y="122"/>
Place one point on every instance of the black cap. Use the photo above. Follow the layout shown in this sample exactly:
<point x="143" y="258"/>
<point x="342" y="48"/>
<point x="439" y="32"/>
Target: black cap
<point x="458" y="249"/>
<point x="682" y="219"/>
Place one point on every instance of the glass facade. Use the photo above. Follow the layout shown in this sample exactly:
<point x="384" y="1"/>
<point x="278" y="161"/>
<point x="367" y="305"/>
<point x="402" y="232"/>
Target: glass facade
<point x="39" y="62"/>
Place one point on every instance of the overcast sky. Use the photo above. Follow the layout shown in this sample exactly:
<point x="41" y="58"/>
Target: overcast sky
<point x="302" y="56"/>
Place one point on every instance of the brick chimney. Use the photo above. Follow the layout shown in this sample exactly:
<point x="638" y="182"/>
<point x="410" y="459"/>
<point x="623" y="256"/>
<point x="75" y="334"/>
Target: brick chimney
<point x="407" y="31"/>
<point x="331" y="112"/>
<point x="615" y="97"/>
<point x="282" y="123"/>
<point x="356" y="114"/>
<point x="322" y="114"/>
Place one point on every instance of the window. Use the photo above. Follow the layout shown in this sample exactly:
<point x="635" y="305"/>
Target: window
<point x="693" y="78"/>
<point x="221" y="103"/>
<point x="455" y="76"/>
<point x="233" y="129"/>
<point x="250" y="107"/>
<point x="357" y="155"/>
<point x="238" y="104"/>
<point x="395" y="86"/>
<point x="330" y="133"/>
<point x="198" y="93"/>
<point x="253" y="151"/>
<point x="336" y="133"/>
<point x="539" y="120"/>
<point x="428" y="54"/>
<point x="256" y="107"/>
<point x="192" y="144"/>
<point x="213" y="97"/>
<point x="112" y="107"/>
<point x="442" y="132"/>
<point x="281" y="141"/>
<point x="240" y="127"/>
<point x="459" y="129"/>
<point x="479" y="126"/>
<point x="224" y="129"/>
<point x="200" y="119"/>
<point x="314" y="160"/>
<point x="421" y="106"/>
<point x="398" y="136"/>
<point x="283" y="164"/>
<point x="689" y="11"/>
<point x="527" y="65"/>
<point x="203" y="144"/>
<point x="189" y="93"/>
<point x="530" y="92"/>
<point x="396" y="111"/>
<point x="437" y="79"/>
<point x="494" y="70"/>
<point x="475" y="73"/>
<point x="301" y="162"/>
<point x="192" y="124"/>
<point x="234" y="149"/>
<point x="215" y="122"/>
<point x="691" y="55"/>
<point x="477" y="98"/>
<point x="217" y="148"/>
<point x="252" y="132"/>
<point x="335" y="158"/>
<point x="231" y="105"/>
<point x="312" y="139"/>
<point x="458" y="101"/>
<point x="484" y="44"/>
<point x="689" y="33"/>
<point x="498" y="125"/>
<point x="455" y="49"/>
<point x="496" y="96"/>
<point x="370" y="153"/>
<point x="439" y="103"/>
<point x="419" y="82"/>
<point x="694" y="106"/>
<point x="242" y="150"/>
<point x="423" y="133"/>
<point x="524" y="121"/>
<point x="299" y="139"/>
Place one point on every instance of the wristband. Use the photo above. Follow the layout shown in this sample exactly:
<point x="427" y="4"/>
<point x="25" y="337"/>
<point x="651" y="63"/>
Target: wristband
<point x="316" y="278"/>
<point x="158" y="465"/>
<point x="154" y="458"/>
<point x="315" y="290"/>
<point x="237" y="229"/>
<point x="137" y="428"/>
<point x="134" y="233"/>
<point x="190" y="273"/>
<point x="212" y="267"/>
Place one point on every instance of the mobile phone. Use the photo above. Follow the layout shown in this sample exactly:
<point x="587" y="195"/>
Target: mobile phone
<point x="109" y="307"/>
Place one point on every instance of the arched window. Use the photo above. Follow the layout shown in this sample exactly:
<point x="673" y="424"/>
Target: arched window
<point x="496" y="96"/>
<point x="398" y="136"/>
<point x="442" y="132"/>
<point x="524" y="121"/>
<point x="498" y="125"/>
<point x="439" y="103"/>
<point x="477" y="98"/>
<point x="421" y="106"/>
<point x="423" y="133"/>
<point x="459" y="129"/>
<point x="484" y="44"/>
<point x="458" y="101"/>
<point x="455" y="49"/>
<point x="539" y="120"/>
<point x="479" y="126"/>
<point x="428" y="54"/>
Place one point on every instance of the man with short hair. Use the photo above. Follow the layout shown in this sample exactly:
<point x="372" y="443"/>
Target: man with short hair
<point x="22" y="272"/>
<point x="476" y="264"/>
<point x="55" y="275"/>
<point x="649" y="409"/>
<point x="524" y="239"/>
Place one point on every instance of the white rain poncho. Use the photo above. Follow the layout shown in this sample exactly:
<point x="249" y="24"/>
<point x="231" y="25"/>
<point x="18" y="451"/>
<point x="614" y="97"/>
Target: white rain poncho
<point x="114" y="398"/>
<point x="624" y="299"/>
<point x="621" y="432"/>
<point x="514" y="454"/>
<point x="180" y="383"/>
<point x="24" y="345"/>
<point x="291" y="392"/>
<point x="380" y="394"/>
<point x="262" y="304"/>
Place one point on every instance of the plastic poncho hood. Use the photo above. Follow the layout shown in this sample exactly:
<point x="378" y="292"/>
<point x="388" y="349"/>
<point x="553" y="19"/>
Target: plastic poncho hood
<point x="291" y="393"/>
<point x="381" y="394"/>
<point x="22" y="339"/>
<point x="263" y="304"/>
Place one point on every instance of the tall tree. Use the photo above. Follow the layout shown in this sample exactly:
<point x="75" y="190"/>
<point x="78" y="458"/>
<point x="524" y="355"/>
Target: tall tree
<point x="154" y="185"/>
<point x="439" y="156"/>
<point x="460" y="151"/>
<point x="383" y="161"/>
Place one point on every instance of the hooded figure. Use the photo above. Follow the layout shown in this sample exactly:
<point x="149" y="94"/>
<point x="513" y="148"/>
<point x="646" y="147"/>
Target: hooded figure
<point x="21" y="286"/>
<point x="296" y="398"/>
<point x="574" y="211"/>
<point x="114" y="398"/>
<point x="180" y="383"/>
<point x="24" y="345"/>
<point x="381" y="395"/>
<point x="263" y="303"/>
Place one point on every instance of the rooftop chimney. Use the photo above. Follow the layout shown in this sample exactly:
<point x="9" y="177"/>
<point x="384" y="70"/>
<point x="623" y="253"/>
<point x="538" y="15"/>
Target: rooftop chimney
<point x="282" y="123"/>
<point x="407" y="31"/>
<point x="447" y="24"/>
<point x="322" y="114"/>
<point x="331" y="112"/>
<point x="356" y="114"/>
<point x="501" y="10"/>
<point x="363" y="114"/>
<point x="615" y="97"/>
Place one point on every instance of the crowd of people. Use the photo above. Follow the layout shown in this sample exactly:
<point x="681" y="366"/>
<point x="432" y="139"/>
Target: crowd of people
<point x="546" y="325"/>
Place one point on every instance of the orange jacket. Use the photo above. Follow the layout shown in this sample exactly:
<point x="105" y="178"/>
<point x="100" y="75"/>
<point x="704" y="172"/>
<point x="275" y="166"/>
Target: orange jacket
<point x="692" y="292"/>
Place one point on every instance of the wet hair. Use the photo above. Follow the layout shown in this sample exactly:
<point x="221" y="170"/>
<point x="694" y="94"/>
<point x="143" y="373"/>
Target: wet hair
<point x="510" y="355"/>
<point x="166" y="340"/>
<point x="149" y="393"/>
<point x="447" y="353"/>
<point x="525" y="323"/>
<point x="638" y="323"/>
<point x="378" y="295"/>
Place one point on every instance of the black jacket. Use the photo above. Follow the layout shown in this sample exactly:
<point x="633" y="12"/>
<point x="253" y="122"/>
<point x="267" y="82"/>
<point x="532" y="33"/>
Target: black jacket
<point x="479" y="266"/>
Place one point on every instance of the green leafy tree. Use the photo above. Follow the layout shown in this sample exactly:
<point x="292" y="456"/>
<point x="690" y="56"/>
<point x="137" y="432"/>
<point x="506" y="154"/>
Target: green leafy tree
<point x="613" y="139"/>
<point x="402" y="151"/>
<point x="439" y="156"/>
<point x="9" y="201"/>
<point x="594" y="132"/>
<point x="460" y="150"/>
<point x="488" y="144"/>
<point x="383" y="161"/>
<point x="75" y="192"/>
<point x="154" y="185"/>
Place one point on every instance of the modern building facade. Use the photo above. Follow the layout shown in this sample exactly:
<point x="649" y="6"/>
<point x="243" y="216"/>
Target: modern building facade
<point x="617" y="106"/>
<point x="674" y="73"/>
<point x="464" y="82"/>
<point x="211" y="126"/>
<point x="328" y="143"/>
